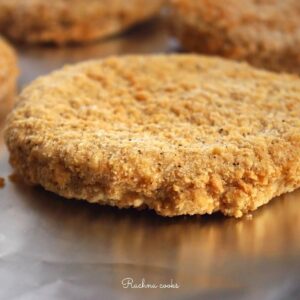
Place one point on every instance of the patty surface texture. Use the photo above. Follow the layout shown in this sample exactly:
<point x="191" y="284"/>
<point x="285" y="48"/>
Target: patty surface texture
<point x="180" y="134"/>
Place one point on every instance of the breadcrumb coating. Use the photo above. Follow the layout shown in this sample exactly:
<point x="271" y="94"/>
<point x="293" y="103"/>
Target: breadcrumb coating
<point x="179" y="134"/>
<point x="266" y="33"/>
<point x="71" y="21"/>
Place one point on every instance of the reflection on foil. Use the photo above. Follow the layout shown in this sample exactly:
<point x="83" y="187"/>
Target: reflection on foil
<point x="71" y="242"/>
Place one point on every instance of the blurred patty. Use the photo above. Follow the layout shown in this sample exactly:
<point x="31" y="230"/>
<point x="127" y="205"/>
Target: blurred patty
<point x="67" y="21"/>
<point x="266" y="33"/>
<point x="8" y="74"/>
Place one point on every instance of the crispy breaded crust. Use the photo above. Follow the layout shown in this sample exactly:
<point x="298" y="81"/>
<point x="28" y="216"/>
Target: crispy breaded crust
<point x="71" y="21"/>
<point x="8" y="75"/>
<point x="180" y="134"/>
<point x="266" y="33"/>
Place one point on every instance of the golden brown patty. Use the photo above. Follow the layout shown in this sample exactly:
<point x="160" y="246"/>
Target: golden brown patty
<point x="265" y="33"/>
<point x="64" y="21"/>
<point x="8" y="74"/>
<point x="180" y="134"/>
